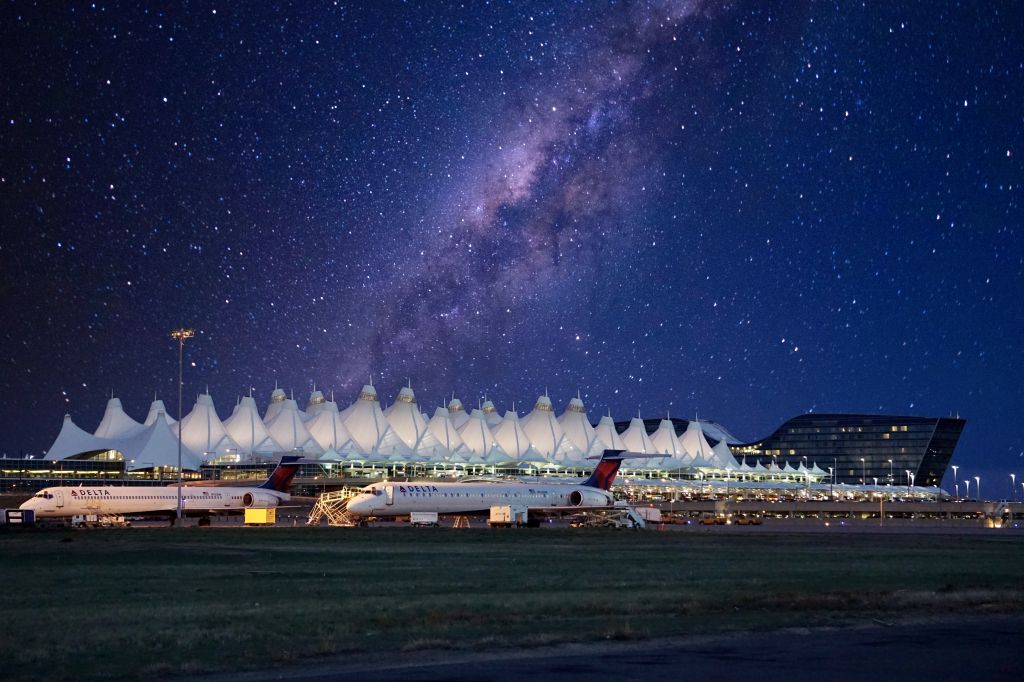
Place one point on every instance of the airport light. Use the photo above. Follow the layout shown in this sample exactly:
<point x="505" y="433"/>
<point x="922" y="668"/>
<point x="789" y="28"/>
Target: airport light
<point x="890" y="472"/>
<point x="1013" y="486"/>
<point x="977" y="486"/>
<point x="909" y="481"/>
<point x="956" y="490"/>
<point x="967" y="488"/>
<point x="863" y="472"/>
<point x="180" y="335"/>
<point x="955" y="484"/>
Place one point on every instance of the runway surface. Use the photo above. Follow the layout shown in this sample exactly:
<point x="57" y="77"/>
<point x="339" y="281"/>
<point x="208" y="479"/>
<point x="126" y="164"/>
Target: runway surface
<point x="971" y="648"/>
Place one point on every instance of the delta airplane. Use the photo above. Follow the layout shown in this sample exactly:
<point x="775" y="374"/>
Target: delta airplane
<point x="401" y="499"/>
<point x="163" y="501"/>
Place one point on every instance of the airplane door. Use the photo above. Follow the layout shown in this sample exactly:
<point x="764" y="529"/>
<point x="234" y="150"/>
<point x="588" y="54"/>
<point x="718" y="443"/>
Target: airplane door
<point x="58" y="497"/>
<point x="389" y="494"/>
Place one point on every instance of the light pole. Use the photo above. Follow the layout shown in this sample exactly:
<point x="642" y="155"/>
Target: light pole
<point x="977" y="486"/>
<point x="955" y="484"/>
<point x="890" y="472"/>
<point x="908" y="481"/>
<point x="863" y="472"/>
<point x="831" y="482"/>
<point x="967" y="488"/>
<point x="180" y="335"/>
<point x="1013" y="487"/>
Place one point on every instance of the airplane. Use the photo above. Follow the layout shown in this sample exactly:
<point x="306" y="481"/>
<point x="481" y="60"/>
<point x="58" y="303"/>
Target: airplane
<point x="133" y="500"/>
<point x="401" y="499"/>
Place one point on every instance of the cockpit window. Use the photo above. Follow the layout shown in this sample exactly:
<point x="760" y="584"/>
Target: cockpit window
<point x="44" y="495"/>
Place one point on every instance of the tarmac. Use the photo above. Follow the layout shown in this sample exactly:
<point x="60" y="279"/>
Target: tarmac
<point x="969" y="648"/>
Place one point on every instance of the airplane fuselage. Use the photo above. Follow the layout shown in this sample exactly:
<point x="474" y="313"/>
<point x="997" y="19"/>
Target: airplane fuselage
<point x="399" y="499"/>
<point x="142" y="500"/>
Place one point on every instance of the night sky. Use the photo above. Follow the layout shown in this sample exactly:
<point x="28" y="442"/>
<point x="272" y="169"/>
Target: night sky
<point x="748" y="210"/>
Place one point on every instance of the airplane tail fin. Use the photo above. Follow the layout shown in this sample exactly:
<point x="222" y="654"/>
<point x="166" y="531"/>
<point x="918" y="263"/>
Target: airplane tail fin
<point x="281" y="478"/>
<point x="604" y="472"/>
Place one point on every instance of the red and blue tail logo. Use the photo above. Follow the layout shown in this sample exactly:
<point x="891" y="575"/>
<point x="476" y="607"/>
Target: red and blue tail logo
<point x="281" y="478"/>
<point x="605" y="471"/>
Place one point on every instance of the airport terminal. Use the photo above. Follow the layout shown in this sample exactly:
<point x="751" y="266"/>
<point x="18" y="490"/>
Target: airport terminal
<point x="364" y="442"/>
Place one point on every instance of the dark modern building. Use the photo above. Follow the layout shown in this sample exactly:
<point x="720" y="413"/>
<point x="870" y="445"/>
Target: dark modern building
<point x="862" y="447"/>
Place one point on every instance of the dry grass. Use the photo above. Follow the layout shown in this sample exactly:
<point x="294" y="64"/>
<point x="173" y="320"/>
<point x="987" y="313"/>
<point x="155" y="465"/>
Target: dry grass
<point x="144" y="603"/>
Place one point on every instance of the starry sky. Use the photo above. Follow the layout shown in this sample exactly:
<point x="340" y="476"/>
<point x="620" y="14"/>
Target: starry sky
<point x="749" y="210"/>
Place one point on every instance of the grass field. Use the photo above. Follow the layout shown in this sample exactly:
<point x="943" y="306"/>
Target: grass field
<point x="144" y="602"/>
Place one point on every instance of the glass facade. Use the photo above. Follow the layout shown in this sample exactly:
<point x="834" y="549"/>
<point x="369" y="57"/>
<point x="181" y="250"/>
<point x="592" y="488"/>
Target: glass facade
<point x="862" y="448"/>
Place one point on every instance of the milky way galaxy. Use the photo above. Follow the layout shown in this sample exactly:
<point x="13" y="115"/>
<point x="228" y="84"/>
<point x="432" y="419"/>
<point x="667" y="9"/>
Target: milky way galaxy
<point x="748" y="210"/>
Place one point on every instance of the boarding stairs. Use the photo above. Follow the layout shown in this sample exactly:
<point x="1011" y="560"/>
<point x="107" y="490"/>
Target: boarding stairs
<point x="333" y="506"/>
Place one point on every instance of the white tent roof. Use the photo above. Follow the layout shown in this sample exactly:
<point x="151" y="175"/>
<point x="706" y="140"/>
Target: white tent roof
<point x="457" y="413"/>
<point x="277" y="397"/>
<point x="315" y="405"/>
<point x="576" y="426"/>
<point x="116" y="423"/>
<point x="202" y="430"/>
<point x="157" y="408"/>
<point x="329" y="431"/>
<point x="477" y="435"/>
<point x="154" y="446"/>
<point x="510" y="436"/>
<point x="547" y="436"/>
<point x="365" y="421"/>
<point x="73" y="440"/>
<point x="665" y="441"/>
<point x="248" y="431"/>
<point x="724" y="455"/>
<point x="697" y="445"/>
<point x="635" y="437"/>
<point x="444" y="431"/>
<point x="157" y="446"/>
<point x="491" y="415"/>
<point x="289" y="431"/>
<point x="607" y="433"/>
<point x="405" y="418"/>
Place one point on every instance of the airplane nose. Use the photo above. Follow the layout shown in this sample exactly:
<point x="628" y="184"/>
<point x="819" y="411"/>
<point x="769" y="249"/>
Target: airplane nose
<point x="357" y="505"/>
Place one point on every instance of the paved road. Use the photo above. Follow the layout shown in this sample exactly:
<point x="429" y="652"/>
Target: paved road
<point x="970" y="649"/>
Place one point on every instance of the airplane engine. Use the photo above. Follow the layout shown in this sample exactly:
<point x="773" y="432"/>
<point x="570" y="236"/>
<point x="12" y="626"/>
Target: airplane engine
<point x="588" y="497"/>
<point x="260" y="500"/>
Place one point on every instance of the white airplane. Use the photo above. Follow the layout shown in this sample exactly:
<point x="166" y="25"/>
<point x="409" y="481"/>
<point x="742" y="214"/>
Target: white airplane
<point x="135" y="500"/>
<point x="400" y="499"/>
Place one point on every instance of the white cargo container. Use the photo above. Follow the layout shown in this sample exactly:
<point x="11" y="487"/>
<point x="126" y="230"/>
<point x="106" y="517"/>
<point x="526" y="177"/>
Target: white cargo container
<point x="423" y="518"/>
<point x="505" y="516"/>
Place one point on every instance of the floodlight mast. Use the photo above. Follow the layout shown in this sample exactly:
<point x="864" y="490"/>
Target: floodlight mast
<point x="180" y="335"/>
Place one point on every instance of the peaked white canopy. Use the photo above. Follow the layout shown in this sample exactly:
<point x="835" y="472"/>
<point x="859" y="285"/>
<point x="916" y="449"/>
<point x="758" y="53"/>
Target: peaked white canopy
<point x="457" y="413"/>
<point x="73" y="440"/>
<point x="289" y="431"/>
<point x="315" y="404"/>
<point x="203" y="432"/>
<point x="724" y="455"/>
<point x="245" y="427"/>
<point x="157" y="446"/>
<point x="116" y="423"/>
<point x="364" y="420"/>
<point x="697" y="446"/>
<point x="510" y="436"/>
<point x="477" y="435"/>
<point x="277" y="397"/>
<point x="665" y="442"/>
<point x="444" y="431"/>
<point x="157" y="409"/>
<point x="635" y="437"/>
<point x="329" y="431"/>
<point x="547" y="436"/>
<point x="606" y="432"/>
<point x="491" y="415"/>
